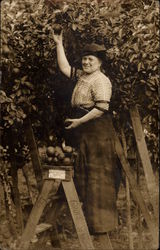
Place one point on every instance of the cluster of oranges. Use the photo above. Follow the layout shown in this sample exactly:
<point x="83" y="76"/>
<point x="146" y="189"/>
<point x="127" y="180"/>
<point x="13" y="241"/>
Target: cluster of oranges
<point x="57" y="155"/>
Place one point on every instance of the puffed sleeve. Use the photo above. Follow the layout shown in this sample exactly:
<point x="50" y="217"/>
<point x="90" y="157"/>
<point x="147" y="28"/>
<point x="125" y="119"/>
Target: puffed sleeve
<point x="101" y="93"/>
<point x="75" y="74"/>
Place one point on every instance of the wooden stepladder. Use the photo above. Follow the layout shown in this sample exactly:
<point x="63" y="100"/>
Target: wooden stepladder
<point x="53" y="178"/>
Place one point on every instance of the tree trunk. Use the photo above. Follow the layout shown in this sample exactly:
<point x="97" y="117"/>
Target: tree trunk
<point x="9" y="207"/>
<point x="25" y="173"/>
<point x="2" y="197"/>
<point x="140" y="242"/>
<point x="15" y="190"/>
<point x="17" y="201"/>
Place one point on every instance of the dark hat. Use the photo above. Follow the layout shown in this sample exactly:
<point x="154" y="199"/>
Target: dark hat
<point x="94" y="49"/>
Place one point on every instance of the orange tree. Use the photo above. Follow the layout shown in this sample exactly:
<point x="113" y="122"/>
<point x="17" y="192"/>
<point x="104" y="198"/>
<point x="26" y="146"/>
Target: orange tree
<point x="32" y="84"/>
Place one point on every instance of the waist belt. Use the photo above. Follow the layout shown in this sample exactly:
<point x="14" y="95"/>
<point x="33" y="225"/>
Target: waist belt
<point x="78" y="112"/>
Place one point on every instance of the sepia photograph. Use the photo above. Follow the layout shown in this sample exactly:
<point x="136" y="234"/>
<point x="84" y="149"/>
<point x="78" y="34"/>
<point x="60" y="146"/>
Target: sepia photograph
<point x="79" y="139"/>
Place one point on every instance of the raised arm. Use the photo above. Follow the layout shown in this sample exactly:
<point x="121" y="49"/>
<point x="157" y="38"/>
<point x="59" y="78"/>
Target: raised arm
<point x="61" y="57"/>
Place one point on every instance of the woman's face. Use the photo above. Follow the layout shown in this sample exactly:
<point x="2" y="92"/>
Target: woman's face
<point x="90" y="63"/>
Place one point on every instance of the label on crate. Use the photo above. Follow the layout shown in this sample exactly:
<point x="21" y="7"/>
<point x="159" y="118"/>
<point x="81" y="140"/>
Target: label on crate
<point x="57" y="174"/>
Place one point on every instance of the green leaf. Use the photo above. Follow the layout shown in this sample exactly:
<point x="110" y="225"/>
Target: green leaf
<point x="148" y="93"/>
<point x="13" y="107"/>
<point x="24" y="78"/>
<point x="29" y="85"/>
<point x="74" y="26"/>
<point x="4" y="99"/>
<point x="139" y="66"/>
<point x="10" y="121"/>
<point x="37" y="53"/>
<point x="5" y="118"/>
<point x="19" y="92"/>
<point x="8" y="108"/>
<point x="34" y="107"/>
<point x="22" y="99"/>
<point x="133" y="57"/>
<point x="26" y="91"/>
<point x="120" y="33"/>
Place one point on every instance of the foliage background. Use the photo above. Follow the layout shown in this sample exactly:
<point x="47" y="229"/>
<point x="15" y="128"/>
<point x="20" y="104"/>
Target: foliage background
<point x="31" y="79"/>
<point x="32" y="86"/>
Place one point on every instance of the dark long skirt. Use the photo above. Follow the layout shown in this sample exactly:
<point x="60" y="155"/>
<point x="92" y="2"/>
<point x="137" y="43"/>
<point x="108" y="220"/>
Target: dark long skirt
<point x="96" y="173"/>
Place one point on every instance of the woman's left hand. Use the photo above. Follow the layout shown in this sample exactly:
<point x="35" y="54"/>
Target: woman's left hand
<point x="72" y="123"/>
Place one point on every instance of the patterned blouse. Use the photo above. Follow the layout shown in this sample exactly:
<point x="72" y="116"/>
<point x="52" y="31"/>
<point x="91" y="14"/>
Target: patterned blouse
<point x="91" y="90"/>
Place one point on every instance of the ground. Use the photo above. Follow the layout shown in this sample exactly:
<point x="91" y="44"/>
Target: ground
<point x="66" y="231"/>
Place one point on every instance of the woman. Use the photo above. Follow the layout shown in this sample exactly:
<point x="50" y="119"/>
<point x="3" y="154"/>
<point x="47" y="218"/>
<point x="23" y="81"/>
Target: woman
<point x="91" y="125"/>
